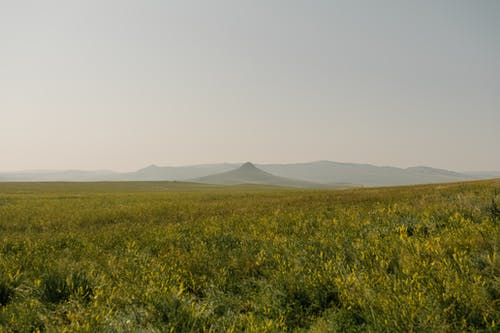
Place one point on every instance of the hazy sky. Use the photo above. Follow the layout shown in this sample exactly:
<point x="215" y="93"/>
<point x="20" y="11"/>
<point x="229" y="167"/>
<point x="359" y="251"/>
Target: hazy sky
<point x="123" y="84"/>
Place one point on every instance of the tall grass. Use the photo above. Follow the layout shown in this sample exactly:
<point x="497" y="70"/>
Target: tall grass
<point x="119" y="257"/>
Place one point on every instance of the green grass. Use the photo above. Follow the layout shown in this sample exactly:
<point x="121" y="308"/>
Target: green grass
<point x="160" y="256"/>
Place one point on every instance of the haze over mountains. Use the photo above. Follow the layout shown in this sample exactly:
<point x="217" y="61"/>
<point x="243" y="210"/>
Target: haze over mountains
<point x="250" y="174"/>
<point x="310" y="174"/>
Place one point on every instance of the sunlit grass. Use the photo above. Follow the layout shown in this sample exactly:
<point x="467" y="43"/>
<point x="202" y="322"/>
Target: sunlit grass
<point x="184" y="257"/>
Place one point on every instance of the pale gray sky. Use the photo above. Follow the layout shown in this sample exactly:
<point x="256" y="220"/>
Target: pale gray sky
<point x="123" y="84"/>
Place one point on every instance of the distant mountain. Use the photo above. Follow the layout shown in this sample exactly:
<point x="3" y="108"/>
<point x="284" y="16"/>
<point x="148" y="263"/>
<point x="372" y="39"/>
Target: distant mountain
<point x="363" y="174"/>
<point x="484" y="174"/>
<point x="61" y="176"/>
<point x="317" y="173"/>
<point x="250" y="174"/>
<point x="154" y="172"/>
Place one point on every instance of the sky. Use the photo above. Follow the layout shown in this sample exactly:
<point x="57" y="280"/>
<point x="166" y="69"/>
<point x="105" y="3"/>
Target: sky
<point x="123" y="84"/>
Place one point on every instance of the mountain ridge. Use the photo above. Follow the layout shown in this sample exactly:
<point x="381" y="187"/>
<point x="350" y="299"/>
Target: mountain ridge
<point x="319" y="172"/>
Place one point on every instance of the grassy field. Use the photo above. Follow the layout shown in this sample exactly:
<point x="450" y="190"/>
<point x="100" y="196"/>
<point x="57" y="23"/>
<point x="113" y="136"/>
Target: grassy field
<point x="160" y="257"/>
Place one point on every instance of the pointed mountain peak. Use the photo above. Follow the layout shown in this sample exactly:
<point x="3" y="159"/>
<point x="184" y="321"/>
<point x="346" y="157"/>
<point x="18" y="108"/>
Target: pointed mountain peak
<point x="149" y="168"/>
<point x="248" y="166"/>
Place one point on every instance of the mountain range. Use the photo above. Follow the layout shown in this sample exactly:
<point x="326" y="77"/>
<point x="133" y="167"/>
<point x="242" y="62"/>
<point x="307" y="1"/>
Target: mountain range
<point x="311" y="174"/>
